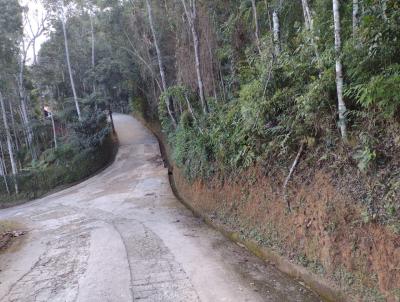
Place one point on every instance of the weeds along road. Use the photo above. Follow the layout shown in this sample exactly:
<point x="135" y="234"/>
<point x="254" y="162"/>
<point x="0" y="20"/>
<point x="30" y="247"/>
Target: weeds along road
<point x="123" y="236"/>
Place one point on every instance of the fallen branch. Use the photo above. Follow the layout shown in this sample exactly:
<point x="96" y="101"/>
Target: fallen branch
<point x="290" y="175"/>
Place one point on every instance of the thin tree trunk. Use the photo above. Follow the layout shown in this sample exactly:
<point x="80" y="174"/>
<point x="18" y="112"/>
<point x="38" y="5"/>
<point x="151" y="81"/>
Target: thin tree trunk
<point x="3" y="157"/>
<point x="22" y="96"/>
<point x="221" y="78"/>
<point x="27" y="126"/>
<point x="93" y="52"/>
<point x="308" y="20"/>
<point x="25" y="136"/>
<point x="3" y="174"/>
<point x="295" y="162"/>
<point x="71" y="77"/>
<point x="309" y="24"/>
<point x="168" y="101"/>
<point x="356" y="17"/>
<point x="276" y="29"/>
<point x="384" y="9"/>
<point x="256" y="25"/>
<point x="136" y="53"/>
<point x="54" y="130"/>
<point x="190" y="107"/>
<point x="34" y="52"/>
<point x="14" y="128"/>
<point x="9" y="143"/>
<point x="268" y="15"/>
<point x="93" y="40"/>
<point x="191" y="17"/>
<point x="339" y="70"/>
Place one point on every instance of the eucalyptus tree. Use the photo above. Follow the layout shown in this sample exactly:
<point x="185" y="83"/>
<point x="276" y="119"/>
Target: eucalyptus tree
<point x="60" y="10"/>
<point x="190" y="9"/>
<point x="256" y="25"/>
<point x="33" y="30"/>
<point x="10" y="35"/>
<point x="10" y="147"/>
<point x="277" y="32"/>
<point x="3" y="173"/>
<point x="339" y="69"/>
<point x="90" y="9"/>
<point x="71" y="77"/>
<point x="93" y="47"/>
<point x="160" y="60"/>
<point x="356" y="17"/>
<point x="308" y="19"/>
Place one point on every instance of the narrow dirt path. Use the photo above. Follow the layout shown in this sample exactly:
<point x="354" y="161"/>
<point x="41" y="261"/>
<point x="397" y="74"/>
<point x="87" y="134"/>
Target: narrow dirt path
<point x="122" y="236"/>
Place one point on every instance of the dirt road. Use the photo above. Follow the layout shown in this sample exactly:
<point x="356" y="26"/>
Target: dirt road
<point x="123" y="236"/>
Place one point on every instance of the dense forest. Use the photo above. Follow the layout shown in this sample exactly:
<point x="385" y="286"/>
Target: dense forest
<point x="278" y="86"/>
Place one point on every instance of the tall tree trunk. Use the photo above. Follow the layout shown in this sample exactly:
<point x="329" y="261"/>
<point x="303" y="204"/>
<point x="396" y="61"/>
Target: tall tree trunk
<point x="191" y="17"/>
<point x="309" y="24"/>
<point x="3" y="174"/>
<point x="34" y="52"/>
<point x="28" y="127"/>
<point x="308" y="20"/>
<point x="384" y="9"/>
<point x="169" y="104"/>
<point x="93" y="40"/>
<point x="25" y="136"/>
<point x="14" y="128"/>
<point x="190" y="108"/>
<point x="256" y="25"/>
<point x="268" y="15"/>
<point x="93" y="58"/>
<point x="3" y="157"/>
<point x="22" y="96"/>
<point x="356" y="17"/>
<point x="277" y="30"/>
<point x="71" y="77"/>
<point x="9" y="143"/>
<point x="53" y="124"/>
<point x="339" y="70"/>
<point x="26" y="123"/>
<point x="93" y="51"/>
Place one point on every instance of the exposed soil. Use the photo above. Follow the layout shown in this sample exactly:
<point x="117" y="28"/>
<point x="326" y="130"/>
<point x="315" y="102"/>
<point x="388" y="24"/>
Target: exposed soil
<point x="324" y="231"/>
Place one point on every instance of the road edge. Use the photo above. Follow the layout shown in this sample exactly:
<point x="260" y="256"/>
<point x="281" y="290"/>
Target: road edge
<point x="324" y="288"/>
<point x="114" y="138"/>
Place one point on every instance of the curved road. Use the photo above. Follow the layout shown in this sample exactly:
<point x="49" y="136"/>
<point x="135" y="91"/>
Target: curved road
<point x="122" y="236"/>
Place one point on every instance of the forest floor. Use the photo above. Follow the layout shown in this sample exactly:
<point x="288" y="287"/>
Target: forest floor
<point x="123" y="236"/>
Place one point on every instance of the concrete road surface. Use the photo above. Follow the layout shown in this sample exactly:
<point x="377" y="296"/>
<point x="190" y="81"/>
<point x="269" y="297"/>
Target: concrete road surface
<point x="123" y="236"/>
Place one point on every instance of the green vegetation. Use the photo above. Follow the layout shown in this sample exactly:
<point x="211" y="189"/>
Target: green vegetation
<point x="234" y="84"/>
<point x="270" y="80"/>
<point x="58" y="167"/>
<point x="277" y="102"/>
<point x="264" y="104"/>
<point x="54" y="129"/>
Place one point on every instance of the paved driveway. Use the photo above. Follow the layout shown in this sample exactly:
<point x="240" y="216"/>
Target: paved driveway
<point x="123" y="236"/>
